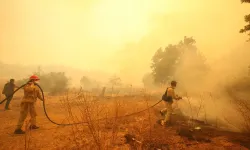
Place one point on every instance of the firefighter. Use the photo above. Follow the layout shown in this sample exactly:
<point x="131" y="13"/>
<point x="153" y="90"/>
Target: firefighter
<point x="168" y="98"/>
<point x="31" y="93"/>
<point x="8" y="91"/>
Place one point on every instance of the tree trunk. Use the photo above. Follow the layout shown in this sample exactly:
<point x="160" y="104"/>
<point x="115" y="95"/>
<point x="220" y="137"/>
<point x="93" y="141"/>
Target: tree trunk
<point x="103" y="92"/>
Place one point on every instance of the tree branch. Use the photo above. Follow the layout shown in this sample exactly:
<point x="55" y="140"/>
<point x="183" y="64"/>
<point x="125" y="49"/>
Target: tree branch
<point x="245" y="1"/>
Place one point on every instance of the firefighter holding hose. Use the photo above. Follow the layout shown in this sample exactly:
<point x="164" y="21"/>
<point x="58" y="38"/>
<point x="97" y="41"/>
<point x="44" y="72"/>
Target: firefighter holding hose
<point x="168" y="98"/>
<point x="31" y="93"/>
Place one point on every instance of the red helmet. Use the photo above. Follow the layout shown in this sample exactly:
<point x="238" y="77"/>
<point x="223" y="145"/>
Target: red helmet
<point x="34" y="77"/>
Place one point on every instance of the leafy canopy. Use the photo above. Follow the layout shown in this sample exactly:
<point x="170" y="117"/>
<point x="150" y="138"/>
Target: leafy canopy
<point x="247" y="20"/>
<point x="166" y="61"/>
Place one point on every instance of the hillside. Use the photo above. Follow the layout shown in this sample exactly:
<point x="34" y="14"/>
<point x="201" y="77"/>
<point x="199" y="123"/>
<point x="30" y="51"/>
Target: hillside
<point x="18" y="71"/>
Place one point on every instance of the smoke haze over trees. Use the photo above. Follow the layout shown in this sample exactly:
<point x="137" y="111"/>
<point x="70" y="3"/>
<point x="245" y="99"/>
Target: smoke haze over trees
<point x="166" y="62"/>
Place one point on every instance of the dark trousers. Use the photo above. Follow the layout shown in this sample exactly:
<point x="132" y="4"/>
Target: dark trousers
<point x="8" y="101"/>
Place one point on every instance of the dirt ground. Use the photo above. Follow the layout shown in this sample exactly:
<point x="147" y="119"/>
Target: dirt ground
<point x="144" y="127"/>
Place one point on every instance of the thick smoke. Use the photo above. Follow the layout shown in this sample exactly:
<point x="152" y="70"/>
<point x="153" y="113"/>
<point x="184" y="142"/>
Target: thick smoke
<point x="207" y="89"/>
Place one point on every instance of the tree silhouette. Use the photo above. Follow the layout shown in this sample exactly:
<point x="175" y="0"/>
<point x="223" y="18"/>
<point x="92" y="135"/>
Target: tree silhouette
<point x="247" y="19"/>
<point x="85" y="81"/>
<point x="53" y="82"/>
<point x="115" y="81"/>
<point x="165" y="62"/>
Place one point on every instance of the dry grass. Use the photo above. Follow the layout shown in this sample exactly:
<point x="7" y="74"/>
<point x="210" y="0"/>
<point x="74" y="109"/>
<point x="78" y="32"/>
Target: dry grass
<point x="103" y="122"/>
<point x="243" y="108"/>
<point x="105" y="133"/>
<point x="111" y="131"/>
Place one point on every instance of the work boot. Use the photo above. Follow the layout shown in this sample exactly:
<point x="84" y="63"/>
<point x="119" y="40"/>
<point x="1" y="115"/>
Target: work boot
<point x="162" y="114"/>
<point x="163" y="123"/>
<point x="33" y="127"/>
<point x="19" y="131"/>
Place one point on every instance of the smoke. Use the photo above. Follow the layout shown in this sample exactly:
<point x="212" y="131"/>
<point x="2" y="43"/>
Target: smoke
<point x="207" y="87"/>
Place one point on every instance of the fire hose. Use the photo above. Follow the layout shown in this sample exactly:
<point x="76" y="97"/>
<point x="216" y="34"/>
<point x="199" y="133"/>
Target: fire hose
<point x="66" y="124"/>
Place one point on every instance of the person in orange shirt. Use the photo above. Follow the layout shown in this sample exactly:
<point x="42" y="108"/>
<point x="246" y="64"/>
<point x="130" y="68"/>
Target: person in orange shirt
<point x="31" y="93"/>
<point x="168" y="98"/>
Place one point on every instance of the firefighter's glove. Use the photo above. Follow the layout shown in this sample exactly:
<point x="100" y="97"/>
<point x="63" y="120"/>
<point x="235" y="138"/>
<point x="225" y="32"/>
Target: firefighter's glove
<point x="179" y="98"/>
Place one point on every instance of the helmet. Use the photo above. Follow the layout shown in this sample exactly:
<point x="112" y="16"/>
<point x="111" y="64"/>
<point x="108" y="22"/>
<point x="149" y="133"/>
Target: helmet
<point x="173" y="83"/>
<point x="34" y="77"/>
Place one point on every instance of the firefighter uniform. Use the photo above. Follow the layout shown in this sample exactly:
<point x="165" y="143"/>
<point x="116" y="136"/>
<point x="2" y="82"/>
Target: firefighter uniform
<point x="168" y="110"/>
<point x="31" y="93"/>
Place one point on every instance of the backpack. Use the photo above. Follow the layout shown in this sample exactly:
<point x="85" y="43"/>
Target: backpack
<point x="167" y="98"/>
<point x="5" y="88"/>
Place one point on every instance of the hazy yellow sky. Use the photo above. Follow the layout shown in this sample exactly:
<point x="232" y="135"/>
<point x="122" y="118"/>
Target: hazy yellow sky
<point x="91" y="33"/>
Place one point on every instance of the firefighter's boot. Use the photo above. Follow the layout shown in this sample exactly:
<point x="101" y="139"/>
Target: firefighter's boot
<point x="19" y="131"/>
<point x="33" y="127"/>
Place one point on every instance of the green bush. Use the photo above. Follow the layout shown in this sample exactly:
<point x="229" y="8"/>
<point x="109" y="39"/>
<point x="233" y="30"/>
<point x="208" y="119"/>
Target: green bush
<point x="53" y="82"/>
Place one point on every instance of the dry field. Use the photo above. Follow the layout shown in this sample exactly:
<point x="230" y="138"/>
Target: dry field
<point x="139" y="131"/>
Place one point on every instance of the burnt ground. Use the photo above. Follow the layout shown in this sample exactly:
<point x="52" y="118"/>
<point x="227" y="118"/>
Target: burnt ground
<point x="183" y="134"/>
